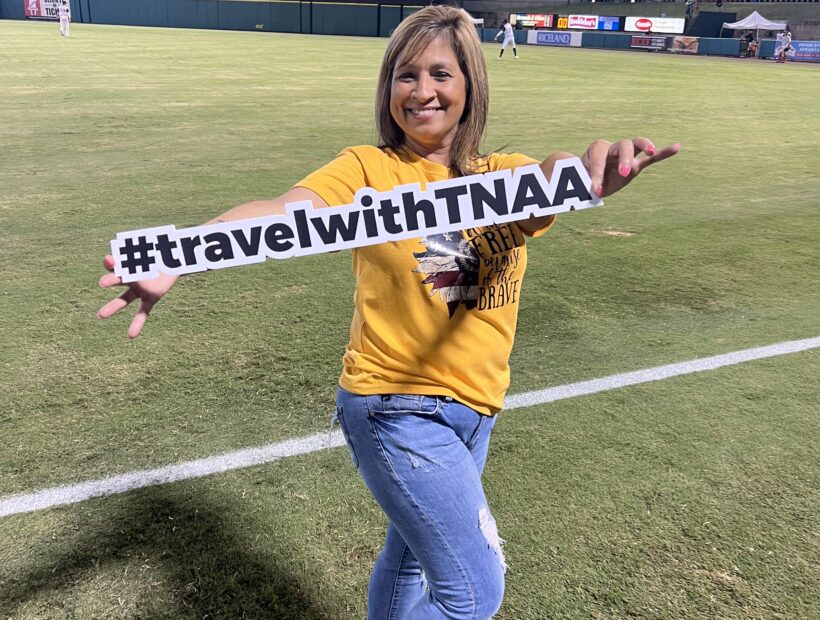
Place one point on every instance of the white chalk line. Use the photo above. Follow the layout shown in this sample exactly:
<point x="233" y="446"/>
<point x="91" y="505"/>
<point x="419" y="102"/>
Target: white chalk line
<point x="74" y="493"/>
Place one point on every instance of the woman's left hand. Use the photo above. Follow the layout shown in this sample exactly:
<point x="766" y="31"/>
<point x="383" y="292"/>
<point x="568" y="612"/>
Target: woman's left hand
<point x="613" y="165"/>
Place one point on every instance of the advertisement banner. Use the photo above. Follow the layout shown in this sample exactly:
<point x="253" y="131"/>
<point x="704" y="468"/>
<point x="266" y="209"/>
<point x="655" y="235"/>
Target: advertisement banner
<point x="550" y="37"/>
<point x="648" y="42"/>
<point x="609" y="23"/>
<point x="670" y="25"/>
<point x="583" y="22"/>
<point x="684" y="45"/>
<point x="531" y="20"/>
<point x="41" y="9"/>
<point x="806" y="50"/>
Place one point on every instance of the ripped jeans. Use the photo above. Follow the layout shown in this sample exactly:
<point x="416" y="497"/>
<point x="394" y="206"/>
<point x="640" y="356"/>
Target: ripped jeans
<point x="422" y="458"/>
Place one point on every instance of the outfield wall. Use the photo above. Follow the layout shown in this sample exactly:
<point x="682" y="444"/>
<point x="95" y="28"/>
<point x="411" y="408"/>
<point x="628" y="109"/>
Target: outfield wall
<point x="355" y="19"/>
<point x="379" y="17"/>
<point x="701" y="46"/>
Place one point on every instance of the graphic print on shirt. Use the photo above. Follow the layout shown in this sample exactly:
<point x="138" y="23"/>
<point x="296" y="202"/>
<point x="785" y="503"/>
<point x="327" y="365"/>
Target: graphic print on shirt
<point x="480" y="267"/>
<point x="451" y="265"/>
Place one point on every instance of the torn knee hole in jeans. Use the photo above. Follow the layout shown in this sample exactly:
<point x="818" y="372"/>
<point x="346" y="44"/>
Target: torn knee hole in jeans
<point x="487" y="525"/>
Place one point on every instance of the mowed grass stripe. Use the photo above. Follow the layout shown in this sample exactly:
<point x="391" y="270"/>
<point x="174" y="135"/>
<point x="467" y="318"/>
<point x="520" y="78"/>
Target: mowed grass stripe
<point x="72" y="494"/>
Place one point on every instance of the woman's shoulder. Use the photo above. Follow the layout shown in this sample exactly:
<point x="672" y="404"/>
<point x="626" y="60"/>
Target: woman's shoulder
<point x="504" y="161"/>
<point x="374" y="160"/>
<point x="365" y="165"/>
<point x="365" y="152"/>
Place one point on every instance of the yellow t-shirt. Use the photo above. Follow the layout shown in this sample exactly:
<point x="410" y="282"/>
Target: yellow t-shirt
<point x="435" y="315"/>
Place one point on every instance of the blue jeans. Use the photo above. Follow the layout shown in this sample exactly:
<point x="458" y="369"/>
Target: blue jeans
<point x="422" y="458"/>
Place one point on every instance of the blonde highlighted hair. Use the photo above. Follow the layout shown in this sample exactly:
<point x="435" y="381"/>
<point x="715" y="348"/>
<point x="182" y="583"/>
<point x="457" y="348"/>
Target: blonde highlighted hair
<point x="411" y="37"/>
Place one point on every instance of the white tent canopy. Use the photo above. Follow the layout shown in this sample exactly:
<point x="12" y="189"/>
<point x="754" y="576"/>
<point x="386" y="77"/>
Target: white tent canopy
<point x="755" y="21"/>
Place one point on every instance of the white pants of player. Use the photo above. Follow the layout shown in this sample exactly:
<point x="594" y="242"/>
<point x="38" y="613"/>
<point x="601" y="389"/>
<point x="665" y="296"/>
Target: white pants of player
<point x="506" y="42"/>
<point x="64" y="26"/>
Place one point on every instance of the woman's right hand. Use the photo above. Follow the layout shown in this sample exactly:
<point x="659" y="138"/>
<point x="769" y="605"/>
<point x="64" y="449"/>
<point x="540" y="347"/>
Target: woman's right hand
<point x="148" y="292"/>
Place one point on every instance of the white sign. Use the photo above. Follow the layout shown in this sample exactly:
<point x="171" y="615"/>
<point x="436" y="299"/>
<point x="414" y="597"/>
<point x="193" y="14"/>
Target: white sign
<point x="655" y="25"/>
<point x="405" y="212"/>
<point x="554" y="37"/>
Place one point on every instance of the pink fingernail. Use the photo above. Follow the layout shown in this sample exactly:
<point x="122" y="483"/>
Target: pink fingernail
<point x="650" y="150"/>
<point x="624" y="170"/>
<point x="600" y="191"/>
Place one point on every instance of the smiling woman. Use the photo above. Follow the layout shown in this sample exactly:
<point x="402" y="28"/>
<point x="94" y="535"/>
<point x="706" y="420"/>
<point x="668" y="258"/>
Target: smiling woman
<point x="427" y="100"/>
<point x="427" y="364"/>
<point x="432" y="70"/>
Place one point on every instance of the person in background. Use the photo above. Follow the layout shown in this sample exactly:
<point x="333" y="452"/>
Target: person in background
<point x="64" y="12"/>
<point x="785" y="46"/>
<point x="509" y="38"/>
<point x="426" y="368"/>
<point x="745" y="44"/>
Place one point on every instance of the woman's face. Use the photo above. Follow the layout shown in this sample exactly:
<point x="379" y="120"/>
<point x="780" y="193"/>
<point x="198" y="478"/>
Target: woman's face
<point x="427" y="98"/>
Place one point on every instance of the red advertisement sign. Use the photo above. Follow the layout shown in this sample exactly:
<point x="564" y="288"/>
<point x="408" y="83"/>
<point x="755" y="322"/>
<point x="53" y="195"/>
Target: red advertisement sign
<point x="648" y="42"/>
<point x="531" y="20"/>
<point x="41" y="9"/>
<point x="584" y="22"/>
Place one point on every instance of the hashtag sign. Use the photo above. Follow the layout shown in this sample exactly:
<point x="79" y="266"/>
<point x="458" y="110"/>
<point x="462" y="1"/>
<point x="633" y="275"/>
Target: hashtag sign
<point x="473" y="201"/>
<point x="136" y="256"/>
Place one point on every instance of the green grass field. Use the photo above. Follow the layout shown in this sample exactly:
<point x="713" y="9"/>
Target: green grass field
<point x="694" y="497"/>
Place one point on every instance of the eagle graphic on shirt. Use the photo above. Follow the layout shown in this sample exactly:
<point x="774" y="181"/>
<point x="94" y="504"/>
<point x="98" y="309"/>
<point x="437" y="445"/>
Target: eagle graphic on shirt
<point x="450" y="264"/>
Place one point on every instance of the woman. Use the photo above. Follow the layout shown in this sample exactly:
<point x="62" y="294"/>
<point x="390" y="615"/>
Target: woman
<point x="427" y="364"/>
